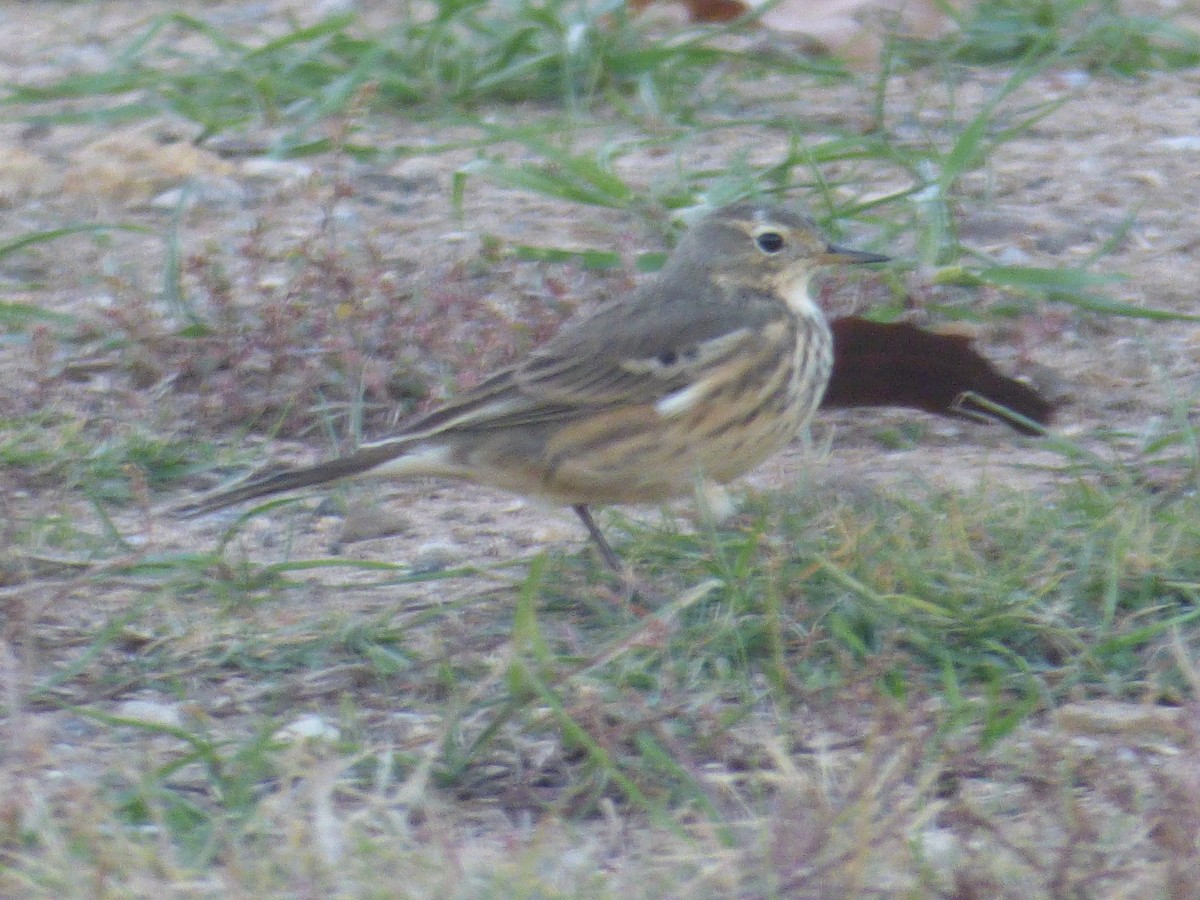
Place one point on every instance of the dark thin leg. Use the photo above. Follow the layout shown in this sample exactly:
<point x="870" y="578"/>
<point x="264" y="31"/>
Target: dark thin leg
<point x="610" y="558"/>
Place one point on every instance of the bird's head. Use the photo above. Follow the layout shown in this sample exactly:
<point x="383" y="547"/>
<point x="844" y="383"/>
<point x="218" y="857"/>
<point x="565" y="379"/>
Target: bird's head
<point x="763" y="245"/>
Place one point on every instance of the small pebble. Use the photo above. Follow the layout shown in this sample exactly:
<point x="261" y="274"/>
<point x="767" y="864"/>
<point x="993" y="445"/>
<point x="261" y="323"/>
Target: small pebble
<point x="435" y="556"/>
<point x="308" y="728"/>
<point x="151" y="712"/>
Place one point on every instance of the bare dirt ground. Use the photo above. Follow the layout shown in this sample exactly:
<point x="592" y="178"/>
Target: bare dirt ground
<point x="1050" y="197"/>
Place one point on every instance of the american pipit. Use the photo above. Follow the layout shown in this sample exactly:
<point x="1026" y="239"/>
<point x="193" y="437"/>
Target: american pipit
<point x="696" y="377"/>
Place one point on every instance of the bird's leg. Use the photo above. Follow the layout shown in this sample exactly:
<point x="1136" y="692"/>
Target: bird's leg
<point x="610" y="557"/>
<point x="632" y="592"/>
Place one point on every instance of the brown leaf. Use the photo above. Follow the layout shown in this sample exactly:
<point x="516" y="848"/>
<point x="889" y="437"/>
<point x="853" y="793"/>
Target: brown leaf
<point x="853" y="29"/>
<point x="715" y="10"/>
<point x="898" y="364"/>
<point x="703" y="10"/>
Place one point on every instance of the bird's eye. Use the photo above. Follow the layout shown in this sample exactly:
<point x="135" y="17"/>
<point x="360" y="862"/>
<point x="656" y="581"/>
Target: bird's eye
<point x="769" y="242"/>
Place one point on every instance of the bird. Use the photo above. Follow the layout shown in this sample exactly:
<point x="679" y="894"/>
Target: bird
<point x="709" y="367"/>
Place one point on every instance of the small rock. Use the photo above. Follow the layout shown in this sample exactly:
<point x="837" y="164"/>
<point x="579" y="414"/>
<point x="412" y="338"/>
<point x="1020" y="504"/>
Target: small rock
<point x="365" y="523"/>
<point x="308" y="728"/>
<point x="1012" y="256"/>
<point x="940" y="848"/>
<point x="436" y="556"/>
<point x="218" y="192"/>
<point x="418" y="170"/>
<point x="151" y="712"/>
<point x="23" y="175"/>
<point x="285" y="170"/>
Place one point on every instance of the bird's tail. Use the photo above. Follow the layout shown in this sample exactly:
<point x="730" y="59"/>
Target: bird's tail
<point x="359" y="463"/>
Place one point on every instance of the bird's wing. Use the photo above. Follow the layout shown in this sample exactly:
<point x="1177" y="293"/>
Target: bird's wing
<point x="646" y="347"/>
<point x="638" y="349"/>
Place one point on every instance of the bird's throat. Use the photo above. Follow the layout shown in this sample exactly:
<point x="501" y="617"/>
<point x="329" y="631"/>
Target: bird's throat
<point x="794" y="288"/>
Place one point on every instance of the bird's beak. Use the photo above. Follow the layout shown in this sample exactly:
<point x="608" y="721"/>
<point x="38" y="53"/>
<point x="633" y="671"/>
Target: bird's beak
<point x="835" y="255"/>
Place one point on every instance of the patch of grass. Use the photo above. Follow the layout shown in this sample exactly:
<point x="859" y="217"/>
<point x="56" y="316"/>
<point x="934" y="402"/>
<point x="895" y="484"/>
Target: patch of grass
<point x="965" y="615"/>
<point x="1009" y="591"/>
<point x="925" y="212"/>
<point x="1096" y="35"/>
<point x="52" y="449"/>
<point x="451" y="54"/>
<point x="588" y="176"/>
<point x="338" y="340"/>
